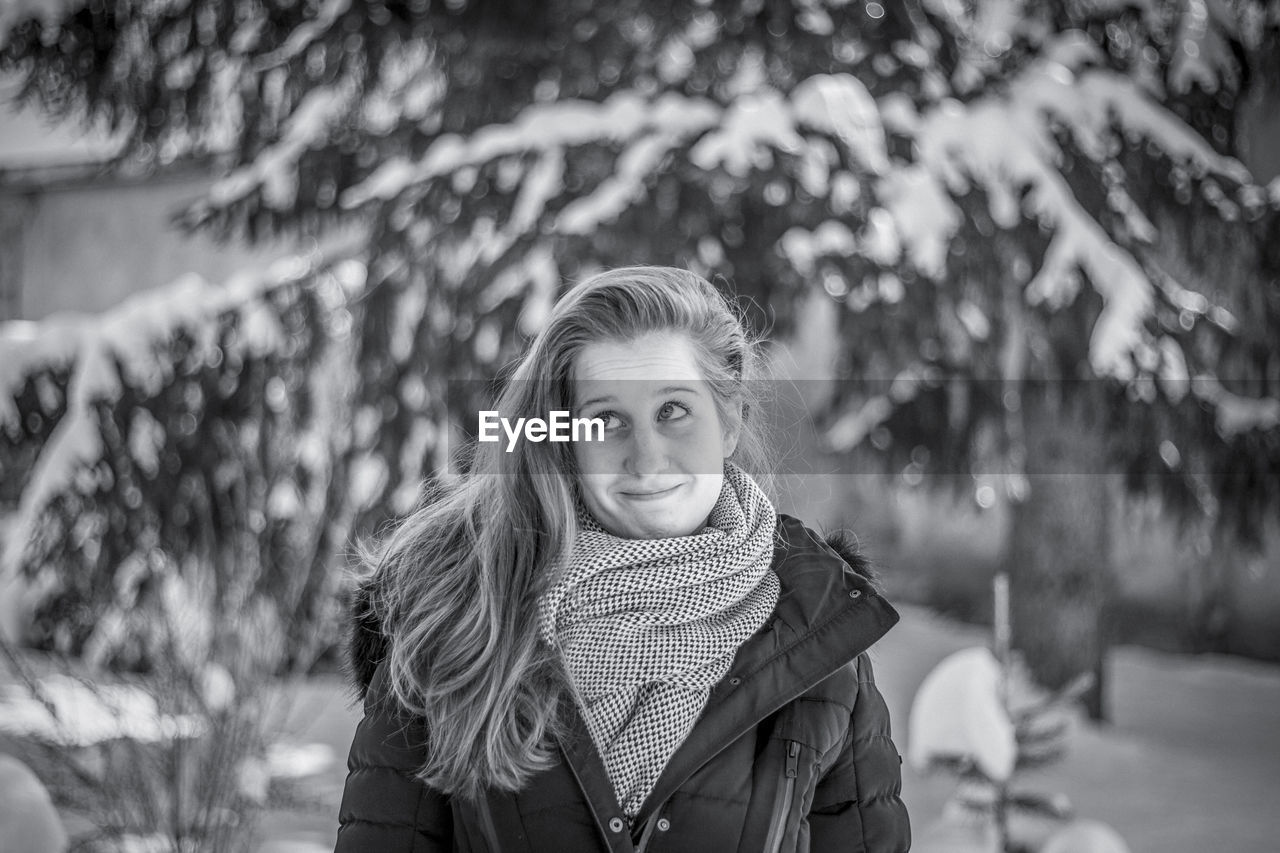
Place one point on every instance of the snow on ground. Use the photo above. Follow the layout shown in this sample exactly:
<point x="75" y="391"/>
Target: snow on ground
<point x="1189" y="763"/>
<point x="27" y="815"/>
<point x="87" y="714"/>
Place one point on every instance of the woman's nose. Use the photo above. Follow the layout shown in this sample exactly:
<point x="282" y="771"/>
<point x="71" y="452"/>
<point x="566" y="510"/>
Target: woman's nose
<point x="647" y="452"/>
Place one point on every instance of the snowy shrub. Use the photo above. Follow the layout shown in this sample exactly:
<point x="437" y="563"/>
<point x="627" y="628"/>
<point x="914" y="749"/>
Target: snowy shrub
<point x="177" y="760"/>
<point x="985" y="723"/>
<point x="180" y="531"/>
<point x="181" y="466"/>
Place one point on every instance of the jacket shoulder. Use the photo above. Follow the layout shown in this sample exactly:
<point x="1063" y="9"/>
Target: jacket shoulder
<point x="385" y="806"/>
<point x="797" y="538"/>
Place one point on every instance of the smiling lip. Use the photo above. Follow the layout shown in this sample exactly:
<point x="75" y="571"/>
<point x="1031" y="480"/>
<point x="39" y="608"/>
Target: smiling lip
<point x="651" y="496"/>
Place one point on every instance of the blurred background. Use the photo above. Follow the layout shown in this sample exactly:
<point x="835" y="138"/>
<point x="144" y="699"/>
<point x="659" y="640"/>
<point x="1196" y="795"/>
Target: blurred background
<point x="1016" y="265"/>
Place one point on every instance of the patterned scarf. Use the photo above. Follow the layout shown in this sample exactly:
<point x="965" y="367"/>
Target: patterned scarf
<point x="647" y="626"/>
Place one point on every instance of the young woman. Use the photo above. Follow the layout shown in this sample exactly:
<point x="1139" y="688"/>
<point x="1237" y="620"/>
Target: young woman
<point x="618" y="644"/>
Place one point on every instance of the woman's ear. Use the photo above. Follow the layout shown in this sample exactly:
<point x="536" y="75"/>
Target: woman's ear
<point x="733" y="428"/>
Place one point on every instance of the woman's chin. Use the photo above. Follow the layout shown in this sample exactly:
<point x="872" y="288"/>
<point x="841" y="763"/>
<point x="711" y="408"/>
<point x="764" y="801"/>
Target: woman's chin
<point x="659" y="523"/>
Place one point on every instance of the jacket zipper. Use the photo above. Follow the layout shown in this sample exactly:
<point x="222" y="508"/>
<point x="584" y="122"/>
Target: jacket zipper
<point x="595" y="815"/>
<point x="648" y="830"/>
<point x="782" y="805"/>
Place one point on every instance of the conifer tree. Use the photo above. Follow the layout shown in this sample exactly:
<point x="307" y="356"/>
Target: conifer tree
<point x="1047" y="258"/>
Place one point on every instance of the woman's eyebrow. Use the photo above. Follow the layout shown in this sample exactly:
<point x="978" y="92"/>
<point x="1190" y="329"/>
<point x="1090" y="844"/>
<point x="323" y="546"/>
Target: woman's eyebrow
<point x="609" y="398"/>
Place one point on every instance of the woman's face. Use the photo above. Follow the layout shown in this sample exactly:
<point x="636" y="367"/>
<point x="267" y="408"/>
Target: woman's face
<point x="659" y="470"/>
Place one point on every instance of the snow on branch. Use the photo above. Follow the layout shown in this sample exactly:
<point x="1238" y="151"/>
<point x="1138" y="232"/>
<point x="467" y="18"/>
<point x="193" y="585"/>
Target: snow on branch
<point x="923" y="216"/>
<point x="275" y="170"/>
<point x="1010" y="145"/>
<point x="616" y="193"/>
<point x="1096" y="99"/>
<point x="840" y="105"/>
<point x="1006" y="144"/>
<point x="124" y="347"/>
<point x="1233" y="413"/>
<point x="70" y="712"/>
<point x="542" y="127"/>
<point x="1202" y="53"/>
<point x="803" y="247"/>
<point x="737" y="138"/>
<point x="855" y="424"/>
<point x="305" y="34"/>
<point x="751" y="128"/>
<point x="985" y="31"/>
<point x="408" y="89"/>
<point x="50" y="14"/>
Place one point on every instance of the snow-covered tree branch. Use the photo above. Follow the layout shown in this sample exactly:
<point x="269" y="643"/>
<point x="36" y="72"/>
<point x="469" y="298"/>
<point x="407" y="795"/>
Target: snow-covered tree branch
<point x="179" y="453"/>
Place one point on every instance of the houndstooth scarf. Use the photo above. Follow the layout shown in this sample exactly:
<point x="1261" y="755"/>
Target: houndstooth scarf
<point x="647" y="626"/>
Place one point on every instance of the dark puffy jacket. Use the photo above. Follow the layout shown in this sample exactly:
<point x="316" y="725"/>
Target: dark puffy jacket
<point x="792" y="753"/>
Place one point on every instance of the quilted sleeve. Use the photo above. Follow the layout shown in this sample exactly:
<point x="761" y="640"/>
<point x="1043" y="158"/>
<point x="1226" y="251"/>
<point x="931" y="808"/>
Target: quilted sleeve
<point x="857" y="807"/>
<point x="384" y="806"/>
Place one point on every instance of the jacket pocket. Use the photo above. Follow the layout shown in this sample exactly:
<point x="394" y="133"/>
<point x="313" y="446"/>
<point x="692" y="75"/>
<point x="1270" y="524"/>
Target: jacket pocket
<point x="783" y="800"/>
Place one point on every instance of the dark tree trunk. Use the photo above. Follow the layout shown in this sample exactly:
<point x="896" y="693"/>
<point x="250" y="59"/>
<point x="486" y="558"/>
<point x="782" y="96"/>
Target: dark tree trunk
<point x="1209" y="599"/>
<point x="1059" y="555"/>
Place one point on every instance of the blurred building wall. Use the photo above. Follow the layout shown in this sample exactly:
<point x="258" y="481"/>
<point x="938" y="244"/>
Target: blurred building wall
<point x="74" y="238"/>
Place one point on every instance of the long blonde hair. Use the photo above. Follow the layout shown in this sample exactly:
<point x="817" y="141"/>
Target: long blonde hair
<point x="455" y="586"/>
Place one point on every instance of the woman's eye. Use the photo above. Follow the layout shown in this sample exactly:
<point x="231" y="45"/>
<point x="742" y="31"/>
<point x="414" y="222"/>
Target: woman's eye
<point x="611" y="420"/>
<point x="673" y="411"/>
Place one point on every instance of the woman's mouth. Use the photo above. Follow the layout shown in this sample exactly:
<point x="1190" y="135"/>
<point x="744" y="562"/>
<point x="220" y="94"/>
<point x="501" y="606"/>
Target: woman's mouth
<point x="653" y="495"/>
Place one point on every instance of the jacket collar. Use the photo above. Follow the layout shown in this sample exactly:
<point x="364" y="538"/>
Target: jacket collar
<point x="828" y="613"/>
